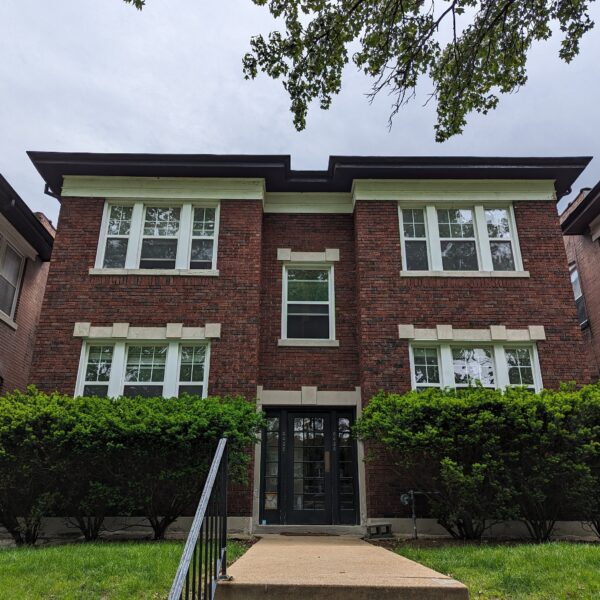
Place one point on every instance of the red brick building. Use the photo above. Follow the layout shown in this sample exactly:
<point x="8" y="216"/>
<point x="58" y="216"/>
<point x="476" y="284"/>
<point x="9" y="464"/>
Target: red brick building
<point x="581" y="229"/>
<point x="309" y="291"/>
<point x="25" y="247"/>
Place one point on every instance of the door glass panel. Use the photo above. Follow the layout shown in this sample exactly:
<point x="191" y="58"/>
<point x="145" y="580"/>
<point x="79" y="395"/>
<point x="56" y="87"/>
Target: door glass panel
<point x="309" y="463"/>
<point x="345" y="464"/>
<point x="271" y="498"/>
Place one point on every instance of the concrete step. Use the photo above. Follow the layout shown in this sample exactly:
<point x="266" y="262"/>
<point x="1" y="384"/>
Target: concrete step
<point x="315" y="530"/>
<point x="332" y="568"/>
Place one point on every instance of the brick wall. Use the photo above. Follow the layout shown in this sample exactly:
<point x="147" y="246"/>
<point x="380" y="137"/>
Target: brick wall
<point x="284" y="368"/>
<point x="16" y="346"/>
<point x="385" y="299"/>
<point x="586" y="254"/>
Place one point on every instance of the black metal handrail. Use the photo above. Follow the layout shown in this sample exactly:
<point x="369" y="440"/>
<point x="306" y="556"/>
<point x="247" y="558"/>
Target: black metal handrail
<point x="204" y="559"/>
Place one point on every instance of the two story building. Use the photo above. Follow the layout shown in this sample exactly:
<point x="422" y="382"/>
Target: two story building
<point x="308" y="291"/>
<point x="25" y="247"/>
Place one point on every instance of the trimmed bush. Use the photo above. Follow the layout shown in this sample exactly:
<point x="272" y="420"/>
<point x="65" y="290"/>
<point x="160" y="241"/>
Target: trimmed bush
<point x="485" y="456"/>
<point x="86" y="458"/>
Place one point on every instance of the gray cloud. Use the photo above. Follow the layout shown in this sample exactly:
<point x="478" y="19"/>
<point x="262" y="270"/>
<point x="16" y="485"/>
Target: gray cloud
<point x="83" y="75"/>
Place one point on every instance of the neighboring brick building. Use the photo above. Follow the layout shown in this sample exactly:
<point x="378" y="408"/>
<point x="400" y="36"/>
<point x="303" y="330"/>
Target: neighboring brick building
<point x="310" y="291"/>
<point x="580" y="223"/>
<point x="25" y="247"/>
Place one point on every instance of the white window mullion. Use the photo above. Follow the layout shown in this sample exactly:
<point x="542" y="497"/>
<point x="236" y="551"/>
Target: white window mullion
<point x="514" y="236"/>
<point x="502" y="381"/>
<point x="331" y="305"/>
<point x="102" y="239"/>
<point x="171" y="371"/>
<point x="132" y="260"/>
<point x="284" y="304"/>
<point x="482" y="241"/>
<point x="117" y="371"/>
<point x="184" y="247"/>
<point x="216" y="238"/>
<point x="447" y="366"/>
<point x="434" y="239"/>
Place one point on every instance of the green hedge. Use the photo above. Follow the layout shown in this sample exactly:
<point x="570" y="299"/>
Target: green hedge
<point x="86" y="458"/>
<point x="485" y="456"/>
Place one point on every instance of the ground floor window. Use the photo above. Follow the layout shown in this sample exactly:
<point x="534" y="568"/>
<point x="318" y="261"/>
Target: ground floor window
<point x="462" y="365"/>
<point x="143" y="369"/>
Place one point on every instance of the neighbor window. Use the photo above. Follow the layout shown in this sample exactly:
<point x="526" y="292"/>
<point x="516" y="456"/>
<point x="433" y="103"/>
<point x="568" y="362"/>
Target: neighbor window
<point x="578" y="293"/>
<point x="157" y="236"/>
<point x="143" y="369"/>
<point x="460" y="239"/>
<point x="11" y="268"/>
<point x="308" y="303"/>
<point x="461" y="365"/>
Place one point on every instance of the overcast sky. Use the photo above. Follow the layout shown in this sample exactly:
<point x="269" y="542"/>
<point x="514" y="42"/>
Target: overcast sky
<point x="99" y="76"/>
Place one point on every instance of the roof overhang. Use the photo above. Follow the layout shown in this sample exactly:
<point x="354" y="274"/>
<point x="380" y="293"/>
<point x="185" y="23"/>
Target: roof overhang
<point x="579" y="221"/>
<point x="20" y="216"/>
<point x="275" y="170"/>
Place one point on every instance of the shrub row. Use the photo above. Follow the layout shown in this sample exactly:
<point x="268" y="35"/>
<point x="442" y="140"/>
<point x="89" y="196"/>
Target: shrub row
<point x="87" y="458"/>
<point x="483" y="456"/>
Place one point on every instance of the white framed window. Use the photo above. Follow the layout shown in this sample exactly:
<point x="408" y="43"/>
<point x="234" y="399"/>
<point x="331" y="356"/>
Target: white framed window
<point x="308" y="311"/>
<point x="126" y="368"/>
<point x="457" y="365"/>
<point x="11" y="273"/>
<point x="459" y="239"/>
<point x="578" y="293"/>
<point x="156" y="236"/>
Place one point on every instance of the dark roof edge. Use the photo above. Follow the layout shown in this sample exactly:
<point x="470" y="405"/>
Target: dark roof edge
<point x="276" y="169"/>
<point x="21" y="217"/>
<point x="578" y="222"/>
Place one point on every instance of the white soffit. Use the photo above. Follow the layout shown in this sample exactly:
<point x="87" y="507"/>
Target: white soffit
<point x="178" y="188"/>
<point x="308" y="202"/>
<point x="453" y="190"/>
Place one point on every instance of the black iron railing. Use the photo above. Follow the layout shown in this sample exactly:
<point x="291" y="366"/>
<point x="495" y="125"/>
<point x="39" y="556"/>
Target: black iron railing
<point x="204" y="559"/>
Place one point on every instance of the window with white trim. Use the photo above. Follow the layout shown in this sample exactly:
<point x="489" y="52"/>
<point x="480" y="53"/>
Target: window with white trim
<point x="11" y="271"/>
<point x="159" y="236"/>
<point x="122" y="368"/>
<point x="308" y="305"/>
<point x="462" y="365"/>
<point x="459" y="239"/>
<point x="578" y="293"/>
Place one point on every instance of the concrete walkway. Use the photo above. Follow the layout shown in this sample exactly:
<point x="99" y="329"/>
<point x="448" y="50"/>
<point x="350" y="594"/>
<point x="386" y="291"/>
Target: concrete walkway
<point x="332" y="568"/>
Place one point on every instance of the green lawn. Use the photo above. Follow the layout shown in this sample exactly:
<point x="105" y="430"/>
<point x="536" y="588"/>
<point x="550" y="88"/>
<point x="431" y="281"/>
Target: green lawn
<point x="555" y="571"/>
<point x="107" y="571"/>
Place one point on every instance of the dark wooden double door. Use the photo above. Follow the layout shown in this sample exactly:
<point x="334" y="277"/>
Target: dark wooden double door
<point x="309" y="468"/>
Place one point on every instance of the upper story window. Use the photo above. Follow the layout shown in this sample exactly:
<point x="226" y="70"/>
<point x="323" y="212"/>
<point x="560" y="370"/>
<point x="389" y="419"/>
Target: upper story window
<point x="462" y="365"/>
<point x="11" y="270"/>
<point x="459" y="239"/>
<point x="578" y="293"/>
<point x="157" y="236"/>
<point x="308" y="305"/>
<point x="143" y="369"/>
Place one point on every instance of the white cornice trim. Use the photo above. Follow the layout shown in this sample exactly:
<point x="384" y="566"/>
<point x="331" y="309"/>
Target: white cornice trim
<point x="330" y="255"/>
<point x="493" y="333"/>
<point x="308" y="202"/>
<point x="15" y="239"/>
<point x="125" y="331"/>
<point x="453" y="190"/>
<point x="178" y="188"/>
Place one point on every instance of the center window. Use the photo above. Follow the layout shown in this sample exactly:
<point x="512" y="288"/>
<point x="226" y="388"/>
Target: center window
<point x="308" y="303"/>
<point x="159" y="242"/>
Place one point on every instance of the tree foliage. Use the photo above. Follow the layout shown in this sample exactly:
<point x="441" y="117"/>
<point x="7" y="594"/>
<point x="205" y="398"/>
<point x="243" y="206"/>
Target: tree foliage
<point x="485" y="456"/>
<point x="87" y="458"/>
<point x="472" y="50"/>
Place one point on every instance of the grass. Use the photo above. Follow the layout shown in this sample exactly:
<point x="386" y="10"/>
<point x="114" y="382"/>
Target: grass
<point x="555" y="571"/>
<point x="107" y="571"/>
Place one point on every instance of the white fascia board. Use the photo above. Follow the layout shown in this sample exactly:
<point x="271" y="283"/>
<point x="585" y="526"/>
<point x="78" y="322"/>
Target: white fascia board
<point x="308" y="202"/>
<point x="176" y="188"/>
<point x="15" y="239"/>
<point x="453" y="190"/>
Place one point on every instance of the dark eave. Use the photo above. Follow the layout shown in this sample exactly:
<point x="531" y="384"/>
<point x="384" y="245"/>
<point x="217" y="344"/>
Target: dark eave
<point x="24" y="221"/>
<point x="578" y="222"/>
<point x="275" y="169"/>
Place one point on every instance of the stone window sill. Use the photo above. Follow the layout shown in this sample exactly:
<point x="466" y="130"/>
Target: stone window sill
<point x="6" y="319"/>
<point x="170" y="272"/>
<point x="309" y="343"/>
<point x="491" y="274"/>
